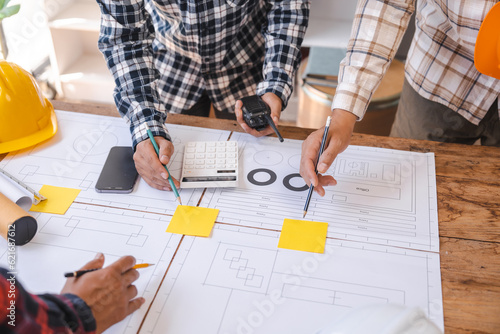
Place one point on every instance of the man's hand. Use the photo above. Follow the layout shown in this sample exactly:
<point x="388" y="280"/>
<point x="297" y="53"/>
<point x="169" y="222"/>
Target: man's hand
<point x="274" y="103"/>
<point x="150" y="167"/>
<point x="109" y="291"/>
<point x="337" y="141"/>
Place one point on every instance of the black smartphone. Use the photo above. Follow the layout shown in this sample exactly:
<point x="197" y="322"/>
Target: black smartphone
<point x="118" y="174"/>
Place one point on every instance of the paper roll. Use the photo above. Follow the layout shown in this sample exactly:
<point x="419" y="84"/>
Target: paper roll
<point x="15" y="223"/>
<point x="15" y="193"/>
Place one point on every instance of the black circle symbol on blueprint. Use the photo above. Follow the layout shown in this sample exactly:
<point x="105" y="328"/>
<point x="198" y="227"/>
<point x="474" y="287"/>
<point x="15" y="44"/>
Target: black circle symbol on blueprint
<point x="252" y="180"/>
<point x="286" y="183"/>
<point x="268" y="158"/>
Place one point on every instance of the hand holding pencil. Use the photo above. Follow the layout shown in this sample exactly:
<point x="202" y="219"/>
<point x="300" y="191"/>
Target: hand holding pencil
<point x="340" y="132"/>
<point x="108" y="292"/>
<point x="151" y="165"/>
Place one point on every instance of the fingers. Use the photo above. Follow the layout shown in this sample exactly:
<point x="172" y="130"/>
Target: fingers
<point x="166" y="150"/>
<point x="239" y="118"/>
<point x="310" y="150"/>
<point x="275" y="104"/>
<point x="123" y="264"/>
<point x="326" y="159"/>
<point x="129" y="277"/>
<point x="135" y="304"/>
<point x="97" y="262"/>
<point x="150" y="167"/>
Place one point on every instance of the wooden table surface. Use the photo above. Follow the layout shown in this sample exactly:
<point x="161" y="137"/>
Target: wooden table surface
<point x="468" y="189"/>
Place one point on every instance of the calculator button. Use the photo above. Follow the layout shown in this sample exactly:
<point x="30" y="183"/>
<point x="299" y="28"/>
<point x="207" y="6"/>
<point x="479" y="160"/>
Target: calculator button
<point x="210" y="166"/>
<point x="211" y="144"/>
<point x="200" y="162"/>
<point x="231" y="155"/>
<point x="231" y="161"/>
<point x="221" y="155"/>
<point x="191" y="144"/>
<point x="221" y="144"/>
<point x="190" y="150"/>
<point x="231" y="143"/>
<point x="210" y="161"/>
<point x="221" y="149"/>
<point x="200" y="156"/>
<point x="189" y="162"/>
<point x="189" y="156"/>
<point x="210" y="155"/>
<point x="232" y="166"/>
<point x="200" y="149"/>
<point x="231" y="149"/>
<point x="221" y="161"/>
<point x="200" y="166"/>
<point x="211" y="149"/>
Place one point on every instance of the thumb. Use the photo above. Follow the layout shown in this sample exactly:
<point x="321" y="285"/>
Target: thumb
<point x="327" y="158"/>
<point x="166" y="149"/>
<point x="97" y="262"/>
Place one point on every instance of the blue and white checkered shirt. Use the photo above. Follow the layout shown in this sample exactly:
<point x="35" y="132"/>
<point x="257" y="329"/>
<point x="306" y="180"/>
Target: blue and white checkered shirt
<point x="165" y="54"/>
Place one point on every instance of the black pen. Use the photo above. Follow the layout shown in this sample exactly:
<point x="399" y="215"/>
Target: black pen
<point x="79" y="273"/>
<point x="323" y="141"/>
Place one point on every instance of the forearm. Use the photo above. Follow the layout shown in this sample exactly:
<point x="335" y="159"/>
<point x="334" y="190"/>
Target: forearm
<point x="378" y="29"/>
<point x="284" y="33"/>
<point x="125" y="40"/>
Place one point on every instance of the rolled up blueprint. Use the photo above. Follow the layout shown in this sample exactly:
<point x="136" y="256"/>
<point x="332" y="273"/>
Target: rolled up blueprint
<point x="15" y="193"/>
<point x="16" y="225"/>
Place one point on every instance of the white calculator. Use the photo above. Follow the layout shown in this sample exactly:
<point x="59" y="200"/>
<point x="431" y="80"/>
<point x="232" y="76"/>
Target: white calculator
<point x="210" y="164"/>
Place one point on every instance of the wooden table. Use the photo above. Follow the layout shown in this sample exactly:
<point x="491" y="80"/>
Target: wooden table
<point x="468" y="188"/>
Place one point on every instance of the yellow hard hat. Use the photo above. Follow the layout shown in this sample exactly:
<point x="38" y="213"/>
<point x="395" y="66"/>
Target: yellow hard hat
<point x="26" y="116"/>
<point x="487" y="51"/>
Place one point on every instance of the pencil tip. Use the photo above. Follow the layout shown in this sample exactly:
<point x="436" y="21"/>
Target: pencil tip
<point x="179" y="199"/>
<point x="305" y="213"/>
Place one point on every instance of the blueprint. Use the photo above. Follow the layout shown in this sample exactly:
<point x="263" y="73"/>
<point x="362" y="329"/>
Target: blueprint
<point x="114" y="224"/>
<point x="237" y="281"/>
<point x="65" y="243"/>
<point x="74" y="159"/>
<point x="382" y="244"/>
<point x="383" y="196"/>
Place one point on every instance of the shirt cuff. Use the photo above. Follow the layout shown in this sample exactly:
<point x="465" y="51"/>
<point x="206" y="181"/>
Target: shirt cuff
<point x="83" y="313"/>
<point x="139" y="133"/>
<point x="353" y="98"/>
<point x="280" y="89"/>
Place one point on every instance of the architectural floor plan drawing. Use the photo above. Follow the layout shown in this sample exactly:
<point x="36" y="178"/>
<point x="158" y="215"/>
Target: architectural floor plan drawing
<point x="64" y="243"/>
<point x="74" y="159"/>
<point x="237" y="281"/>
<point x="383" y="196"/>
<point x="382" y="244"/>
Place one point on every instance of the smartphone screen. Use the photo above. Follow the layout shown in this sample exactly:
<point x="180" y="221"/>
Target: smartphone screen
<point x="118" y="174"/>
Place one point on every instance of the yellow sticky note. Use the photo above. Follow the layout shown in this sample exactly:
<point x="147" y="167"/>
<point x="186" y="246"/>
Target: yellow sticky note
<point x="303" y="235"/>
<point x="192" y="220"/>
<point x="58" y="200"/>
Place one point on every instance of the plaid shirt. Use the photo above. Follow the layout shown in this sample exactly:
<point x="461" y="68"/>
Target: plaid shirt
<point x="440" y="63"/>
<point x="21" y="312"/>
<point x="164" y="54"/>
